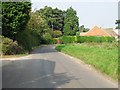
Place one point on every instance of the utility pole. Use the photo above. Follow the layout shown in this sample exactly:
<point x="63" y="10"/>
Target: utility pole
<point x="52" y="30"/>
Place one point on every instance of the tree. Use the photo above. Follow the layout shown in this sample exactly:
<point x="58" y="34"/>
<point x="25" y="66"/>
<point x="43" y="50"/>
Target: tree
<point x="37" y="24"/>
<point x="54" y="17"/>
<point x="67" y="28"/>
<point x="38" y="27"/>
<point x="118" y="22"/>
<point x="57" y="33"/>
<point x="71" y="23"/>
<point x="83" y="29"/>
<point x="15" y="16"/>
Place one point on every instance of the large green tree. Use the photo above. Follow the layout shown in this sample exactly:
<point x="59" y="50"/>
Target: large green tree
<point x="71" y="23"/>
<point x="37" y="24"/>
<point x="54" y="17"/>
<point x="15" y="16"/>
<point x="39" y="28"/>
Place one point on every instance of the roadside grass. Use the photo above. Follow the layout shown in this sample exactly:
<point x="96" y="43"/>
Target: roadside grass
<point x="102" y="56"/>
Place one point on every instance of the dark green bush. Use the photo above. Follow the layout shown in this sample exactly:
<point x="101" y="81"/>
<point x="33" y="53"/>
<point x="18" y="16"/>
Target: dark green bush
<point x="67" y="39"/>
<point x="82" y="39"/>
<point x="10" y="47"/>
<point x="110" y="39"/>
<point x="26" y="40"/>
<point x="59" y="47"/>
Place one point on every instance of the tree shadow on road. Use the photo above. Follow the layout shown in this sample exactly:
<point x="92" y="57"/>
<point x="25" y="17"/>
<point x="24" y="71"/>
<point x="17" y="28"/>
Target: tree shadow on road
<point x="33" y="74"/>
<point x="44" y="49"/>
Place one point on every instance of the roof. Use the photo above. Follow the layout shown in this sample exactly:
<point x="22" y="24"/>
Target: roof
<point x="96" y="31"/>
<point x="111" y="32"/>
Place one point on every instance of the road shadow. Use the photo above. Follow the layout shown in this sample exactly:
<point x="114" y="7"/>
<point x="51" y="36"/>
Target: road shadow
<point x="32" y="74"/>
<point x="44" y="49"/>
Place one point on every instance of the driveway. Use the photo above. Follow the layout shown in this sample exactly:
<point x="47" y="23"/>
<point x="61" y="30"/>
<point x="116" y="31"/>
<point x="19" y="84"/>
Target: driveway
<point x="47" y="68"/>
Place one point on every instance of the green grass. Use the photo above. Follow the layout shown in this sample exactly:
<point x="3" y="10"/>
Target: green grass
<point x="103" y="56"/>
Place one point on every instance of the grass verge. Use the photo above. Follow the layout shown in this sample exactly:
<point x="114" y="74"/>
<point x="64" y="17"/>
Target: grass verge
<point x="103" y="56"/>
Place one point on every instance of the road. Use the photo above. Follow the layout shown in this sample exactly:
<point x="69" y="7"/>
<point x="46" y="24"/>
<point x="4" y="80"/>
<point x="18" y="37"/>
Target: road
<point x="47" y="68"/>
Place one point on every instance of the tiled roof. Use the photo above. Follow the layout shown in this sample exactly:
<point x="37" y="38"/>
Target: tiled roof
<point x="111" y="32"/>
<point x="96" y="31"/>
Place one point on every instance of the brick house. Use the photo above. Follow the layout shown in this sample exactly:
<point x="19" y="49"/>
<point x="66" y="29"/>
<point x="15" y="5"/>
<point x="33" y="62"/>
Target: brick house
<point x="96" y="31"/>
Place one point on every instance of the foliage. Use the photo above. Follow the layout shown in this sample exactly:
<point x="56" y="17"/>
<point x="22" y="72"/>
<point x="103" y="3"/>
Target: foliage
<point x="46" y="38"/>
<point x="32" y="36"/>
<point x="54" y="17"/>
<point x="118" y="22"/>
<point x="15" y="16"/>
<point x="57" y="33"/>
<point x="67" y="39"/>
<point x="82" y="39"/>
<point x="98" y="55"/>
<point x="28" y="41"/>
<point x="83" y="29"/>
<point x="10" y="47"/>
<point x="71" y="24"/>
<point x="37" y="24"/>
<point x="60" y="47"/>
<point x="54" y="40"/>
<point x="78" y="33"/>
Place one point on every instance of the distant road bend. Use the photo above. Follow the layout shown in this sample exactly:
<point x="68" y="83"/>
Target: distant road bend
<point x="47" y="68"/>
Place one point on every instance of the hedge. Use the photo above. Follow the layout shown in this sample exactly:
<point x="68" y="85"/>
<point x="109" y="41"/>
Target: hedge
<point x="67" y="39"/>
<point x="82" y="39"/>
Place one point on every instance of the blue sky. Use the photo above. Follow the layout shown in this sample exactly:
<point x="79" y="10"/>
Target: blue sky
<point x="102" y="13"/>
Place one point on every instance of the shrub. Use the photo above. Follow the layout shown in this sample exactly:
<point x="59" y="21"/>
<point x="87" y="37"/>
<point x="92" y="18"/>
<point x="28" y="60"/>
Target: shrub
<point x="82" y="39"/>
<point x="54" y="40"/>
<point x="59" y="47"/>
<point x="57" y="33"/>
<point x="26" y="40"/>
<point x="110" y="39"/>
<point x="46" y="38"/>
<point x="67" y="39"/>
<point x="10" y="47"/>
<point x="78" y="33"/>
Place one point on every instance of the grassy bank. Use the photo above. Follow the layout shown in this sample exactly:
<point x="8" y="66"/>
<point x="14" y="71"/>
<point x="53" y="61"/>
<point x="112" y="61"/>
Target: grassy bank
<point x="103" y="56"/>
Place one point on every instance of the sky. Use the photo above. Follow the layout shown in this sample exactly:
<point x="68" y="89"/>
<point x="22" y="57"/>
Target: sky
<point x="102" y="13"/>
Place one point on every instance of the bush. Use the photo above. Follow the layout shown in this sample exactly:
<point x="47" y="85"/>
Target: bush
<point x="54" y="40"/>
<point x="10" y="47"/>
<point x="67" y="39"/>
<point x="78" y="33"/>
<point x="57" y="33"/>
<point x="27" y="40"/>
<point x="59" y="47"/>
<point x="82" y="39"/>
<point x="46" y="38"/>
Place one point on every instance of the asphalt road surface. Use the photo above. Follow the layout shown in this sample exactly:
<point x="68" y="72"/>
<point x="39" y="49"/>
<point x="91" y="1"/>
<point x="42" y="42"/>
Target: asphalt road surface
<point x="47" y="68"/>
